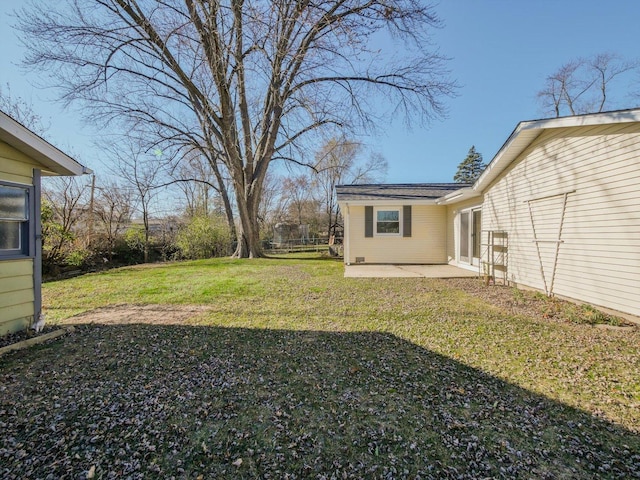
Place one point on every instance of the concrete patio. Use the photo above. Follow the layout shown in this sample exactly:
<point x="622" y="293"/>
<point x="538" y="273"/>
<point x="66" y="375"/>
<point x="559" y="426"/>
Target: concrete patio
<point x="424" y="271"/>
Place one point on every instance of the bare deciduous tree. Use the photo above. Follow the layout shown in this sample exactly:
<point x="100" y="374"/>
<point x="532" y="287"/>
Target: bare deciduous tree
<point x="583" y="85"/>
<point x="113" y="208"/>
<point x="21" y="111"/>
<point x="273" y="204"/>
<point x="143" y="171"/>
<point x="297" y="190"/>
<point x="67" y="197"/>
<point x="203" y="186"/>
<point x="340" y="161"/>
<point x="248" y="80"/>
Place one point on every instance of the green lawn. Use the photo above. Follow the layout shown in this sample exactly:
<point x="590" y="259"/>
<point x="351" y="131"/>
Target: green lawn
<point x="282" y="368"/>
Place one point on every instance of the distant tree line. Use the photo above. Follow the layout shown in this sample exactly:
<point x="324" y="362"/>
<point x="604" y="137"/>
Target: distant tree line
<point x="90" y="224"/>
<point x="152" y="205"/>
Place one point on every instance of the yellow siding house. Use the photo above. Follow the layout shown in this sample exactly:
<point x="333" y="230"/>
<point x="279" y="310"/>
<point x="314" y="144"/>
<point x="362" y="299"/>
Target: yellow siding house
<point x="24" y="158"/>
<point x="566" y="193"/>
<point x="557" y="209"/>
<point x="401" y="223"/>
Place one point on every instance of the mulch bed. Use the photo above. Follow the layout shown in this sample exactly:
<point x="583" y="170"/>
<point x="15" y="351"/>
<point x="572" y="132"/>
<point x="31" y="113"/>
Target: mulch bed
<point x="22" y="335"/>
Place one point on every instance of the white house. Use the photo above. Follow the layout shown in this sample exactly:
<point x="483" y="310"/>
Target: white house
<point x="557" y="209"/>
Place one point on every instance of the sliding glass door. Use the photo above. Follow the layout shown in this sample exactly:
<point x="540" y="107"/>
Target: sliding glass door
<point x="464" y="236"/>
<point x="470" y="236"/>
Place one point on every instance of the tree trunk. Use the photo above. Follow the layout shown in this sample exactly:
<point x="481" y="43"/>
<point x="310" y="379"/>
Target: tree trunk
<point x="248" y="189"/>
<point x="249" y="245"/>
<point x="228" y="210"/>
<point x="145" y="219"/>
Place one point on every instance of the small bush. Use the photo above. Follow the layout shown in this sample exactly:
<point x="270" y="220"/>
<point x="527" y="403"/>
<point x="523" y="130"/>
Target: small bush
<point x="134" y="239"/>
<point x="552" y="307"/>
<point x="592" y="316"/>
<point x="78" y="258"/>
<point x="204" y="237"/>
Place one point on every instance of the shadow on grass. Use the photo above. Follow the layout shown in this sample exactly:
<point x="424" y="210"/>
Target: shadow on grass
<point x="205" y="402"/>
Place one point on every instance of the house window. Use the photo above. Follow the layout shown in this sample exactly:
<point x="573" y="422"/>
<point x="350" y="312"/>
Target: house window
<point x="388" y="222"/>
<point x="14" y="220"/>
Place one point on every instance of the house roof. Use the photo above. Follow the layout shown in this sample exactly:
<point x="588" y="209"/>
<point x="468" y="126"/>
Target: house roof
<point x="525" y="134"/>
<point x="520" y="139"/>
<point x="53" y="160"/>
<point x="404" y="192"/>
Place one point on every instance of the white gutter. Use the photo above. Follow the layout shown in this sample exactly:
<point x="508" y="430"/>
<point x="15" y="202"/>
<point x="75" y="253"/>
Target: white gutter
<point x="391" y="201"/>
<point x="457" y="196"/>
<point x="345" y="237"/>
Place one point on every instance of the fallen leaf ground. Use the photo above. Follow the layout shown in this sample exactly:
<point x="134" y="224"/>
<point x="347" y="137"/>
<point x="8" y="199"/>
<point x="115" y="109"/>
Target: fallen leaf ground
<point x="284" y="369"/>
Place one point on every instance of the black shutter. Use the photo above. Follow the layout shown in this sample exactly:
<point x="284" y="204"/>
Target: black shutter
<point x="406" y="221"/>
<point x="368" y="221"/>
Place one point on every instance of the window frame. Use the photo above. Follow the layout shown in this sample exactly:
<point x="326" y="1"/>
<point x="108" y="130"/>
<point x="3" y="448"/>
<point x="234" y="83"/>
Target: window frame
<point x="387" y="209"/>
<point x="24" y="249"/>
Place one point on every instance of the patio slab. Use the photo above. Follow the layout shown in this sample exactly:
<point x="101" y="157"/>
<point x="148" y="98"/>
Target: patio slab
<point x="394" y="271"/>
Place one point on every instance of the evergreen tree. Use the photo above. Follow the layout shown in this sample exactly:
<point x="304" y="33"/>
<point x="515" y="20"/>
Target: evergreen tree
<point x="470" y="168"/>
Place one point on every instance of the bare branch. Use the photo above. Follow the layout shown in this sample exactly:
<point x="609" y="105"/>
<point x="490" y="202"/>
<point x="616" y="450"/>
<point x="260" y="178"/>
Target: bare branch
<point x="241" y="81"/>
<point x="583" y="85"/>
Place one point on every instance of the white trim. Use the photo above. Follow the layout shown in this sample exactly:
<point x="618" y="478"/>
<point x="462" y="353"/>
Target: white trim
<point x="458" y="196"/>
<point x="385" y="201"/>
<point x="387" y="208"/>
<point x="347" y="235"/>
<point x="525" y="134"/>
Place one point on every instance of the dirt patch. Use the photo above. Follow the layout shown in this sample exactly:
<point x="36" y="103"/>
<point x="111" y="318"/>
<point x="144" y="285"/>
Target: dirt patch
<point x="534" y="304"/>
<point x="129" y="314"/>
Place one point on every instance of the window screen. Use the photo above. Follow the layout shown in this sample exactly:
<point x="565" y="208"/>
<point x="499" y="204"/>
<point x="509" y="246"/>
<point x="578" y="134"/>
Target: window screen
<point x="388" y="221"/>
<point x="14" y="202"/>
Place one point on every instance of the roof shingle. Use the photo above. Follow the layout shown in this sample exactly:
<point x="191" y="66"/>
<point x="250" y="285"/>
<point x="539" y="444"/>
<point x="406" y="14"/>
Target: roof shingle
<point x="401" y="191"/>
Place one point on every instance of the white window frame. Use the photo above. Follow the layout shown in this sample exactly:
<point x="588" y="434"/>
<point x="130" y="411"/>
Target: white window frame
<point x="387" y="209"/>
<point x="471" y="260"/>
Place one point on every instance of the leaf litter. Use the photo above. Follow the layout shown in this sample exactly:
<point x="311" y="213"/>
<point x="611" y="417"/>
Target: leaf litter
<point x="147" y="396"/>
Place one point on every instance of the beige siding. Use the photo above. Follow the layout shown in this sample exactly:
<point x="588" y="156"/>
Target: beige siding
<point x="16" y="294"/>
<point x="453" y="225"/>
<point x="15" y="166"/>
<point x="427" y="244"/>
<point x="598" y="260"/>
<point x="16" y="276"/>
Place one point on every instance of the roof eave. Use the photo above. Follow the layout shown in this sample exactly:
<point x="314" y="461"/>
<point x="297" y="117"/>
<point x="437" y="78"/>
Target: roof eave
<point x="53" y="160"/>
<point x="525" y="134"/>
<point x="387" y="201"/>
<point x="458" y="196"/>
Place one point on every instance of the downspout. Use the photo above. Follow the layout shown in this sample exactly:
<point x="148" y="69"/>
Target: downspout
<point x="35" y="248"/>
<point x="347" y="235"/>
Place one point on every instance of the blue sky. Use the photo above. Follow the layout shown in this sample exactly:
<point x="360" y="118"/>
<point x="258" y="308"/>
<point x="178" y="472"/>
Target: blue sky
<point x="501" y="50"/>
